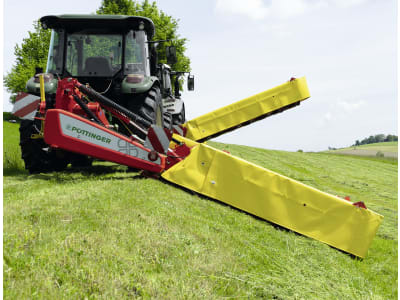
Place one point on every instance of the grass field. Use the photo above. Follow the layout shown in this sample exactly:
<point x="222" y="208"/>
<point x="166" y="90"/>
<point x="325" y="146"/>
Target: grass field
<point x="12" y="162"/>
<point x="386" y="146"/>
<point x="104" y="233"/>
<point x="388" y="149"/>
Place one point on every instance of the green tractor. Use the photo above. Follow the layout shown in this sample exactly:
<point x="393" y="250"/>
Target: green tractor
<point x="114" y="55"/>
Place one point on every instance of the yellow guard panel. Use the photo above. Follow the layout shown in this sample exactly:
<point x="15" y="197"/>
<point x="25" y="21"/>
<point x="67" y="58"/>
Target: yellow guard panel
<point x="276" y="198"/>
<point x="247" y="110"/>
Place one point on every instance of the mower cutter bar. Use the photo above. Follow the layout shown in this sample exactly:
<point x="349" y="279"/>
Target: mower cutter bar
<point x="275" y="198"/>
<point x="246" y="111"/>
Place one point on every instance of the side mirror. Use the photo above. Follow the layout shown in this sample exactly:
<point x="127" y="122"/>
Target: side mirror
<point x="171" y="55"/>
<point x="190" y="83"/>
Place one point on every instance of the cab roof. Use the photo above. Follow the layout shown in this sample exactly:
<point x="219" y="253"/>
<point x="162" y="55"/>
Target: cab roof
<point x="117" y="23"/>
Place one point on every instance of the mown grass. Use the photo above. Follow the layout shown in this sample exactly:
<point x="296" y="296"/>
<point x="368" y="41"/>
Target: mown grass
<point x="384" y="147"/>
<point x="106" y="233"/>
<point x="12" y="162"/>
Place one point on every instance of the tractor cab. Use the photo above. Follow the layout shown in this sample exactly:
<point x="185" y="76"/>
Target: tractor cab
<point x="98" y="53"/>
<point x="100" y="50"/>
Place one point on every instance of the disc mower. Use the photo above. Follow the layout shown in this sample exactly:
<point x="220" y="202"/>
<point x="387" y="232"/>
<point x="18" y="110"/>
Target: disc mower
<point x="105" y="96"/>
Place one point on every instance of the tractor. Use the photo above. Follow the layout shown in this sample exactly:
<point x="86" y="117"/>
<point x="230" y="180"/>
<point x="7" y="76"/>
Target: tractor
<point x="114" y="55"/>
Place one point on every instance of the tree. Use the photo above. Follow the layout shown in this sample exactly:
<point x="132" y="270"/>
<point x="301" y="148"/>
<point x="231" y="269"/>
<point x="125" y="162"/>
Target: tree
<point x="391" y="138"/>
<point x="166" y="26"/>
<point x="31" y="54"/>
<point x="379" y="138"/>
<point x="370" y="140"/>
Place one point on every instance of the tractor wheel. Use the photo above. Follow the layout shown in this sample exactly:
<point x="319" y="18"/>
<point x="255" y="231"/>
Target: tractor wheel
<point x="178" y="119"/>
<point x="168" y="121"/>
<point x="79" y="161"/>
<point x="37" y="155"/>
<point x="152" y="109"/>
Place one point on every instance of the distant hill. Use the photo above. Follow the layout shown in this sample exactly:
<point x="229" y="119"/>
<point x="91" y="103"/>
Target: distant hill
<point x="388" y="149"/>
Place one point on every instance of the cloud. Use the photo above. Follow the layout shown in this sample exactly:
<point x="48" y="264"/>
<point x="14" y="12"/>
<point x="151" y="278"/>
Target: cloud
<point x="346" y="3"/>
<point x="350" y="106"/>
<point x="328" y="116"/>
<point x="340" y="109"/>
<point x="254" y="9"/>
<point x="289" y="8"/>
<point x="260" y="9"/>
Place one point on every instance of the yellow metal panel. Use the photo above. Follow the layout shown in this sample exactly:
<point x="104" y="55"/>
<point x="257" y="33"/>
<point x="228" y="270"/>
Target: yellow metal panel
<point x="247" y="110"/>
<point x="181" y="139"/>
<point x="276" y="198"/>
<point x="41" y="81"/>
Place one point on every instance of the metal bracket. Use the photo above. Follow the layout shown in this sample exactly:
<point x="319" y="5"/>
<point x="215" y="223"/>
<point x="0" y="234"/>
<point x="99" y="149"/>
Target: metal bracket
<point x="37" y="136"/>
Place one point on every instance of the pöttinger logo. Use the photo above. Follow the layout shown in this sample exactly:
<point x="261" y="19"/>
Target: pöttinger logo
<point x="82" y="132"/>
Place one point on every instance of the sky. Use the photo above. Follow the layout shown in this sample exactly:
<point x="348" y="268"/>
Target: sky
<point x="346" y="49"/>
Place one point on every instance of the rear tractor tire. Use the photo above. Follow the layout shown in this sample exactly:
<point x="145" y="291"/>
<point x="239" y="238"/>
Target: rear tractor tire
<point x="37" y="155"/>
<point x="80" y="161"/>
<point x="152" y="109"/>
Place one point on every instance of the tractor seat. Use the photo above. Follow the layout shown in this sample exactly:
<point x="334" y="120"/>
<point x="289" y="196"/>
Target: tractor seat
<point x="97" y="65"/>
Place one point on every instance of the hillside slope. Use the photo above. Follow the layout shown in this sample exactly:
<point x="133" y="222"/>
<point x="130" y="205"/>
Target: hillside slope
<point x="385" y="146"/>
<point x="388" y="149"/>
<point x="105" y="233"/>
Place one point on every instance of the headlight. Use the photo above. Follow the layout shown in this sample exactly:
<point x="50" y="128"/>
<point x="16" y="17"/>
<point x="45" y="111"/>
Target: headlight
<point x="134" y="78"/>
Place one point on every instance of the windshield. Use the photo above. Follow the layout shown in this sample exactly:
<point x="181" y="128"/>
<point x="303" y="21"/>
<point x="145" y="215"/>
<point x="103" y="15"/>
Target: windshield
<point x="93" y="54"/>
<point x="136" y="56"/>
<point x="54" y="59"/>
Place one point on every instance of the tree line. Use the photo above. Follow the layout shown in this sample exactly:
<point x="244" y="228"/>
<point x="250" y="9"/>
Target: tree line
<point x="377" y="138"/>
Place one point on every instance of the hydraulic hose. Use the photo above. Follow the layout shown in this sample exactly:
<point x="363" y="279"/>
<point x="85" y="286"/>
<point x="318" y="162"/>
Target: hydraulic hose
<point x="87" y="110"/>
<point x="108" y="102"/>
